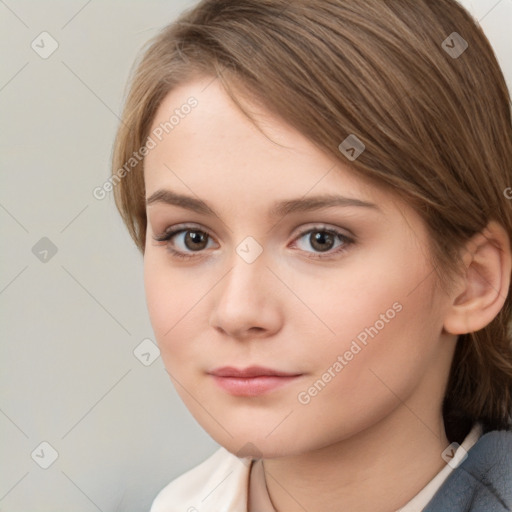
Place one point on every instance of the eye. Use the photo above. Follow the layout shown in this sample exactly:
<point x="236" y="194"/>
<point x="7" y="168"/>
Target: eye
<point x="324" y="240"/>
<point x="189" y="240"/>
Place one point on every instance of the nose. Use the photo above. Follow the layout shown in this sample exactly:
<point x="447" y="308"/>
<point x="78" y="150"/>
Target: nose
<point x="246" y="303"/>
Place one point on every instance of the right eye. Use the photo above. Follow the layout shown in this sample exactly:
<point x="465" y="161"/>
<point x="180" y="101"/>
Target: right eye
<point x="189" y="239"/>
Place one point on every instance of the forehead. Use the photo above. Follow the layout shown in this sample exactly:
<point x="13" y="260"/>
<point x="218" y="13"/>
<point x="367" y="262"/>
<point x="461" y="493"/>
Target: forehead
<point x="214" y="150"/>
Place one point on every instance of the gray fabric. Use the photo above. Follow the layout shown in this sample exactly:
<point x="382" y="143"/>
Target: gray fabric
<point x="483" y="482"/>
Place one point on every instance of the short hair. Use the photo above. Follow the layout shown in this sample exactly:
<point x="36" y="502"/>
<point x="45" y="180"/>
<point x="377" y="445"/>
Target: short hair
<point x="417" y="82"/>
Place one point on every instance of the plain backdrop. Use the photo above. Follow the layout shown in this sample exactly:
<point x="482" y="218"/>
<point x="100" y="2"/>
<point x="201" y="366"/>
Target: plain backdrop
<point x="74" y="397"/>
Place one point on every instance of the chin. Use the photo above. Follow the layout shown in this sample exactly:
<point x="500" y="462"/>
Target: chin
<point x="258" y="446"/>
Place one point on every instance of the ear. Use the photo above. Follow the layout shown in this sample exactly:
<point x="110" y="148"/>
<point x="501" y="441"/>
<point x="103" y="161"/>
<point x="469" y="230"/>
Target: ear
<point x="483" y="287"/>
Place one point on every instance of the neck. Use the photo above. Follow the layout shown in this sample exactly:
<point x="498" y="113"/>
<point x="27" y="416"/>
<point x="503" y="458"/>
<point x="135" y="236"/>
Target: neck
<point x="394" y="458"/>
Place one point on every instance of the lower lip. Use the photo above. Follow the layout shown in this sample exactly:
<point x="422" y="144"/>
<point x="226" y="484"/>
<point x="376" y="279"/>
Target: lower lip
<point x="252" y="386"/>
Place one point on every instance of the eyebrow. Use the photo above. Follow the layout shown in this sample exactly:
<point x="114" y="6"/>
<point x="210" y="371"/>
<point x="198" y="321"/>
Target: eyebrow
<point x="278" y="209"/>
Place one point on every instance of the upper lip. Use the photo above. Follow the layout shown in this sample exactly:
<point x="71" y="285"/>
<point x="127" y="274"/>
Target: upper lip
<point x="251" y="371"/>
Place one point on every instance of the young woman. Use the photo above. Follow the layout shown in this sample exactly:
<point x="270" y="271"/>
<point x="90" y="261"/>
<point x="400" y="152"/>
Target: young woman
<point x="319" y="190"/>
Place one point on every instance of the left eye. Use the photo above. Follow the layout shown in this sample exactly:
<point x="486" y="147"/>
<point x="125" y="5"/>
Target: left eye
<point x="324" y="240"/>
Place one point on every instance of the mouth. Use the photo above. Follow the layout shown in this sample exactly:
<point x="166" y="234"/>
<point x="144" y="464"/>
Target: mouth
<point x="252" y="381"/>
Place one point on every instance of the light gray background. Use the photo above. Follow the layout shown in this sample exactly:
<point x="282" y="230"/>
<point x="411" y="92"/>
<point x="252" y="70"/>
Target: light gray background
<point x="70" y="324"/>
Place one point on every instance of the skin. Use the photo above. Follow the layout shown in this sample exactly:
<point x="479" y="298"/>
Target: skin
<point x="373" y="437"/>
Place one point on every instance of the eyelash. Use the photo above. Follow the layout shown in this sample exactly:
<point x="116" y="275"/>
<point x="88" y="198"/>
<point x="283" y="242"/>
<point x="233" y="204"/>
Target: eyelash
<point x="167" y="235"/>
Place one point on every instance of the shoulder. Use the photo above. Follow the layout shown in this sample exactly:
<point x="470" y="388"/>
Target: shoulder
<point x="220" y="479"/>
<point x="483" y="481"/>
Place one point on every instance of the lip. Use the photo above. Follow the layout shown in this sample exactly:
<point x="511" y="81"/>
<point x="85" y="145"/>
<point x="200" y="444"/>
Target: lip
<point x="251" y="381"/>
<point x="250" y="372"/>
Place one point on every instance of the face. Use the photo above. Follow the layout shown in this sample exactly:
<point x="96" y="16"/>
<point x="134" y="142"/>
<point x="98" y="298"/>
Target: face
<point x="251" y="269"/>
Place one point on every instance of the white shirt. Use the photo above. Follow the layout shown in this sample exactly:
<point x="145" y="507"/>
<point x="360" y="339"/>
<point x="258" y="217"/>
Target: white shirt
<point x="221" y="484"/>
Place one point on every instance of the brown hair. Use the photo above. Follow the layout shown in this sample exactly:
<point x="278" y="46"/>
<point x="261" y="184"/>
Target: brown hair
<point x="436" y="127"/>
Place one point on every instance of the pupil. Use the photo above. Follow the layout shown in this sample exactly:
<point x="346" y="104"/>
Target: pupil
<point x="321" y="237"/>
<point x="196" y="237"/>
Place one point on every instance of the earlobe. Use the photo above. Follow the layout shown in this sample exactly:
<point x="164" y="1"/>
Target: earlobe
<point x="484" y="284"/>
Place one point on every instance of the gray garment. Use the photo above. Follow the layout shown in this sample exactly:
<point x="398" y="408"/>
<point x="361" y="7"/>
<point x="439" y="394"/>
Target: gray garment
<point x="482" y="482"/>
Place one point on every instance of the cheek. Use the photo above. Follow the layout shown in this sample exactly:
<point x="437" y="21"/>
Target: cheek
<point x="356" y="383"/>
<point x="394" y="355"/>
<point x="169" y="297"/>
<point x="157" y="296"/>
<point x="387" y="333"/>
<point x="177" y="311"/>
